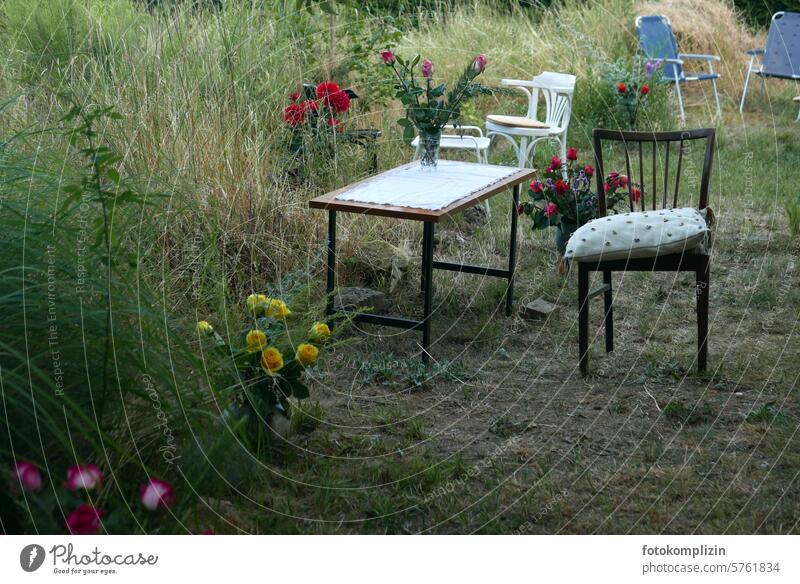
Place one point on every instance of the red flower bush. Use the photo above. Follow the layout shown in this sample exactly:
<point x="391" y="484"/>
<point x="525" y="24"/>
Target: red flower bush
<point x="85" y="520"/>
<point x="294" y="114"/>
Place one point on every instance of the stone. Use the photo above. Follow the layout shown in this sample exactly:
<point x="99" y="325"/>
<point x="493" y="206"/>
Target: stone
<point x="399" y="268"/>
<point x="359" y="299"/>
<point x="539" y="309"/>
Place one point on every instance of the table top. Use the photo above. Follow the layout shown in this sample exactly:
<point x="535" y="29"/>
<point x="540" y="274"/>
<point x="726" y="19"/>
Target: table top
<point x="484" y="191"/>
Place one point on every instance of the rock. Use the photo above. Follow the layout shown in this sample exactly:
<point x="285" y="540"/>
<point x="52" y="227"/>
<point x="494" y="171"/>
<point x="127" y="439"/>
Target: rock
<point x="539" y="309"/>
<point x="359" y="299"/>
<point x="399" y="268"/>
<point x="477" y="216"/>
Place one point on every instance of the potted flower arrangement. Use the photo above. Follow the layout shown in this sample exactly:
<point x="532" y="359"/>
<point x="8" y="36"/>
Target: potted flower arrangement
<point x="430" y="107"/>
<point x="632" y="88"/>
<point x="270" y="359"/>
<point x="563" y="197"/>
<point x="316" y="113"/>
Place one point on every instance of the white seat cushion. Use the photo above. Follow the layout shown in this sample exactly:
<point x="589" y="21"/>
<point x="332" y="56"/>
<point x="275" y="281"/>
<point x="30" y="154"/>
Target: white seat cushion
<point x="517" y="122"/>
<point x="640" y="234"/>
<point x="466" y="142"/>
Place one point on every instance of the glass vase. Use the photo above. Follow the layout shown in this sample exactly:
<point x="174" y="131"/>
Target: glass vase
<point x="429" y="148"/>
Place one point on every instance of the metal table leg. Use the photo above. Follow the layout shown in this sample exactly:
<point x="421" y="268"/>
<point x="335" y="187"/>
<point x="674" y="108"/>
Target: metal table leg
<point x="427" y="280"/>
<point x="512" y="252"/>
<point x="331" y="283"/>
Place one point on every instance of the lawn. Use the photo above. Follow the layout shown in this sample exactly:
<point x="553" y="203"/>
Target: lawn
<point x="101" y="293"/>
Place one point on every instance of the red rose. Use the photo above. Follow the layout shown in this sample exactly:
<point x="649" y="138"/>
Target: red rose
<point x="334" y="123"/>
<point x="561" y="186"/>
<point x="294" y="96"/>
<point x="588" y="170"/>
<point x="326" y="88"/>
<point x="636" y="194"/>
<point x="556" y="162"/>
<point x="550" y="209"/>
<point x="338" y="101"/>
<point x="294" y="114"/>
<point x="388" y="57"/>
<point x="520" y="208"/>
<point x="645" y="89"/>
<point x="537" y="186"/>
<point x="605" y="188"/>
<point x="85" y="520"/>
<point x="623" y="181"/>
<point x="622" y="88"/>
<point x="572" y="154"/>
<point x="311" y="105"/>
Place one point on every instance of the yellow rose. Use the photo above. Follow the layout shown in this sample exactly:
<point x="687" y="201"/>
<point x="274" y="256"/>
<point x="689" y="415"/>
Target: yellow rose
<point x="204" y="328"/>
<point x="271" y="360"/>
<point x="320" y="332"/>
<point x="306" y="354"/>
<point x="257" y="303"/>
<point x="278" y="309"/>
<point x="256" y="340"/>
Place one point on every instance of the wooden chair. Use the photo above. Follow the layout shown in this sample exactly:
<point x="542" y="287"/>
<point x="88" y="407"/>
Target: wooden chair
<point x="658" y="145"/>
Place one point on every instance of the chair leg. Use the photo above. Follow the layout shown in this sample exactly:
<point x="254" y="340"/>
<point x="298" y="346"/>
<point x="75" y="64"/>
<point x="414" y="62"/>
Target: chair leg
<point x="522" y="150"/>
<point x="716" y="97"/>
<point x="680" y="100"/>
<point x="609" y="317"/>
<point x="702" y="278"/>
<point x="583" y="318"/>
<point x="746" y="84"/>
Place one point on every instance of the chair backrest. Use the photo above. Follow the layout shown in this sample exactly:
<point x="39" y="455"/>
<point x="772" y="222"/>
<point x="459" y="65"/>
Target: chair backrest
<point x="557" y="89"/>
<point x="659" y="146"/>
<point x="658" y="42"/>
<point x="782" y="53"/>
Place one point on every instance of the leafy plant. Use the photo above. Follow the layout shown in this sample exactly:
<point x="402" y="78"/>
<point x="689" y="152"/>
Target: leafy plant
<point x="632" y="86"/>
<point x="793" y="214"/>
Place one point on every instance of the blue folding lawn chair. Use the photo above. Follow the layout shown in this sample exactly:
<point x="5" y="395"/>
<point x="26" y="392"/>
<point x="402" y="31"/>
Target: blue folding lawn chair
<point x="781" y="57"/>
<point x="658" y="42"/>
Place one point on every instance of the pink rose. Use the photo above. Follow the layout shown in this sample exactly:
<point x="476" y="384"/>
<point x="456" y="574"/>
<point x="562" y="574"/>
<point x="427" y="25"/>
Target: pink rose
<point x="550" y="209"/>
<point x="556" y="162"/>
<point x="537" y="186"/>
<point x="479" y="64"/>
<point x="427" y="69"/>
<point x="85" y="520"/>
<point x="83" y="476"/>
<point x="388" y="57"/>
<point x="157" y="493"/>
<point x="28" y="475"/>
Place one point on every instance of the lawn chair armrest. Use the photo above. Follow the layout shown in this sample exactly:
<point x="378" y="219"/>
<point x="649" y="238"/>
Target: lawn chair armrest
<point x="754" y="52"/>
<point x="698" y="56"/>
<point x="677" y="61"/>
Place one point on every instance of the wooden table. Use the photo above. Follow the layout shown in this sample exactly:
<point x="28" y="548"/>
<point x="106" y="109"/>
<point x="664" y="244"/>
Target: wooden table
<point x="429" y="218"/>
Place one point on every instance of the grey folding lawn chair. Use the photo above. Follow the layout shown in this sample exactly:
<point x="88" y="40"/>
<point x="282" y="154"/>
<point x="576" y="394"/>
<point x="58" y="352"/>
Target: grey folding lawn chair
<point x="658" y="42"/>
<point x="781" y="57"/>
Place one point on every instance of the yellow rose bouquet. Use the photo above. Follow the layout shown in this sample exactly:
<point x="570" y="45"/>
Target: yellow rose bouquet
<point x="270" y="358"/>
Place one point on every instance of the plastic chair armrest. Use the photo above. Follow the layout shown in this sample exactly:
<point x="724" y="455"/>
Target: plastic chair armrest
<point x="517" y="82"/>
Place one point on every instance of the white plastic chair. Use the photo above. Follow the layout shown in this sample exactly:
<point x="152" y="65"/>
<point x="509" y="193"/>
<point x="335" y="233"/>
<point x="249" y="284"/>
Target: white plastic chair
<point x="461" y="141"/>
<point x="525" y="132"/>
